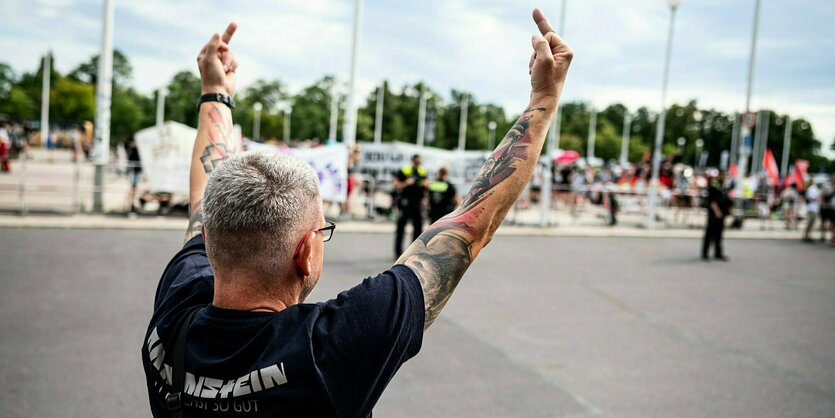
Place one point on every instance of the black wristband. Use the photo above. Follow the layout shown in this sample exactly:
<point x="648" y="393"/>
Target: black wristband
<point x="216" y="97"/>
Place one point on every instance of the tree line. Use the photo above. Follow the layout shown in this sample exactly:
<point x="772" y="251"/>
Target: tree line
<point x="72" y="101"/>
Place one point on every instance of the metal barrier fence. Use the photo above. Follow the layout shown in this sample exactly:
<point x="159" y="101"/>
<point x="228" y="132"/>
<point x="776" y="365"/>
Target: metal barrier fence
<point x="65" y="187"/>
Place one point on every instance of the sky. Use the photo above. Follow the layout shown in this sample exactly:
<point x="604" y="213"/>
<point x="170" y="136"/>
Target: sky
<point x="480" y="46"/>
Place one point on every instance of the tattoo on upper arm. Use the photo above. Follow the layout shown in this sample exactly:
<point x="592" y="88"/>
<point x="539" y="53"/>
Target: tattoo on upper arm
<point x="443" y="252"/>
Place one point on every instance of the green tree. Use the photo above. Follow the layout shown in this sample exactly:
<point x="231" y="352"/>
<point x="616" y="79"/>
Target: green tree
<point x="72" y="101"/>
<point x="88" y="72"/>
<point x="181" y="102"/>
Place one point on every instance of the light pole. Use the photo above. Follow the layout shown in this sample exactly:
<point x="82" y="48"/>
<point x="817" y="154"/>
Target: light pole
<point x="787" y="144"/>
<point x="256" y="121"/>
<point x="287" y="111"/>
<point x="659" y="131"/>
<point x="161" y="93"/>
<point x="421" y="129"/>
<point x="681" y="141"/>
<point x="592" y="136"/>
<point x="698" y="160"/>
<point x="745" y="130"/>
<point x="378" y="116"/>
<point x="624" y="145"/>
<point x="334" y="111"/>
<point x="349" y="132"/>
<point x="491" y="135"/>
<point x="553" y="142"/>
<point x="103" y="90"/>
<point x="47" y="73"/>
<point x="462" y="122"/>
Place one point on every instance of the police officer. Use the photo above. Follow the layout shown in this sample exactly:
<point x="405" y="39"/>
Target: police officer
<point x="410" y="187"/>
<point x="718" y="206"/>
<point x="442" y="196"/>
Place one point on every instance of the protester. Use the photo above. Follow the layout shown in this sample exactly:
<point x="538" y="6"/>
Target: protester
<point x="353" y="159"/>
<point x="788" y="198"/>
<point x="134" y="171"/>
<point x="813" y="209"/>
<point x="229" y="330"/>
<point x="410" y="189"/>
<point x="5" y="148"/>
<point x="443" y="198"/>
<point x="718" y="207"/>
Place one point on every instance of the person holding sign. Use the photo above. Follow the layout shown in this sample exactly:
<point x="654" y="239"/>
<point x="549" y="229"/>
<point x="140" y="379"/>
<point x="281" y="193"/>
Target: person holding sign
<point x="230" y="333"/>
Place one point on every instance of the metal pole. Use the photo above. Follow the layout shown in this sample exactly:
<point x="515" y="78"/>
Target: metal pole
<point x="552" y="145"/>
<point x="378" y="117"/>
<point x="765" y="121"/>
<point x="787" y="143"/>
<point x="627" y="134"/>
<point x="334" y="112"/>
<point x="745" y="150"/>
<point x="421" y="130"/>
<point x="103" y="90"/>
<point x="462" y="122"/>
<point x="160" y="108"/>
<point x="734" y="138"/>
<point x="491" y="135"/>
<point x="287" y="113"/>
<point x="659" y="131"/>
<point x="592" y="136"/>
<point x="256" y="120"/>
<point x="349" y="131"/>
<point x="47" y="73"/>
<point x="756" y="156"/>
<point x="21" y="191"/>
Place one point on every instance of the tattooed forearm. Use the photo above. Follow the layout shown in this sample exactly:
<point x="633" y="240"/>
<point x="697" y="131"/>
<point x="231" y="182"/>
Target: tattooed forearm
<point x="446" y="249"/>
<point x="214" y="144"/>
<point x="195" y="221"/>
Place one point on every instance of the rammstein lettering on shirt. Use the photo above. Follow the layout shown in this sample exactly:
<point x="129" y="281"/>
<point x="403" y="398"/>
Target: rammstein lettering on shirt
<point x="211" y="388"/>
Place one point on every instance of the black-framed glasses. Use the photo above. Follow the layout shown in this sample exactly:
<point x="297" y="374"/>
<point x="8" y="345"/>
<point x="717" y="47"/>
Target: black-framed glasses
<point x="327" y="234"/>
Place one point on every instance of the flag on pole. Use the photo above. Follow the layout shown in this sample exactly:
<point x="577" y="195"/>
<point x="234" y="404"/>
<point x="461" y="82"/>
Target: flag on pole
<point x="798" y="177"/>
<point x="770" y="166"/>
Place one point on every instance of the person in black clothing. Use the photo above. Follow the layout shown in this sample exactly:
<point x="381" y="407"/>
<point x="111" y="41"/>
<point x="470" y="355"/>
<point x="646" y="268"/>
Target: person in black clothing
<point x="443" y="197"/>
<point x="718" y="206"/>
<point x="231" y="335"/>
<point x="134" y="170"/>
<point x="410" y="186"/>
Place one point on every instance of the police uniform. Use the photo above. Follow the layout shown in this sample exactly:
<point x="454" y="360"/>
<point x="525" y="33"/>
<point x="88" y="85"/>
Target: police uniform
<point x="410" y="203"/>
<point x="441" y="199"/>
<point x="716" y="193"/>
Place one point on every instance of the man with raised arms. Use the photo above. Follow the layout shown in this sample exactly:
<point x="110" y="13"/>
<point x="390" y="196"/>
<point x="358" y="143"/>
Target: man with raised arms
<point x="230" y="334"/>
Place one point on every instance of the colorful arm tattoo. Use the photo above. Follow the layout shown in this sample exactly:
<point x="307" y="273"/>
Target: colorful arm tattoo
<point x="212" y="148"/>
<point x="443" y="252"/>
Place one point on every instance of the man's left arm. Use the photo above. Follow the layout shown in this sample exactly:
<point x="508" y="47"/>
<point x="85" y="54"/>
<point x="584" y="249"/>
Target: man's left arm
<point x="214" y="141"/>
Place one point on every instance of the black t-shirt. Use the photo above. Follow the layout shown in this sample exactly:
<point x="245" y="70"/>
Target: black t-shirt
<point x="441" y="198"/>
<point x="412" y="195"/>
<point x="310" y="360"/>
<point x="715" y="193"/>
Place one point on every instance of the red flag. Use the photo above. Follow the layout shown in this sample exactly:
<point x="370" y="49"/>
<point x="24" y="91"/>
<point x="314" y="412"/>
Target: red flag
<point x="770" y="166"/>
<point x="800" y="167"/>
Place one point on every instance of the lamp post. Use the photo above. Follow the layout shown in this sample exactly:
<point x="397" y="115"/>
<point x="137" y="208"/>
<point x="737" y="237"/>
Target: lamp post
<point x="659" y="131"/>
<point x="462" y="123"/>
<point x="287" y="111"/>
<point x="378" y="116"/>
<point x="256" y="121"/>
<point x="787" y="144"/>
<point x="624" y="145"/>
<point x="681" y="141"/>
<point x="421" y="129"/>
<point x="349" y="132"/>
<point x="491" y="135"/>
<point x="697" y="161"/>
<point x="161" y="93"/>
<point x="45" y="83"/>
<point x="103" y="91"/>
<point x="334" y="112"/>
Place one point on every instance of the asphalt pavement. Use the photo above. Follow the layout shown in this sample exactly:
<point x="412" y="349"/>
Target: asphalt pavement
<point x="539" y="327"/>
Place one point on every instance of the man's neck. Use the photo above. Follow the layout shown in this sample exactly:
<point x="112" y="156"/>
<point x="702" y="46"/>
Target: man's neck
<point x="244" y="294"/>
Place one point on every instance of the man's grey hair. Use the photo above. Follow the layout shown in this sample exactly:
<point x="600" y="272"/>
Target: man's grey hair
<point x="256" y="208"/>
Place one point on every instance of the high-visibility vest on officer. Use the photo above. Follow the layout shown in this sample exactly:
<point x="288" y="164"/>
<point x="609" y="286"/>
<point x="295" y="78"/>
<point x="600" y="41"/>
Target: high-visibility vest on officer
<point x="443" y="197"/>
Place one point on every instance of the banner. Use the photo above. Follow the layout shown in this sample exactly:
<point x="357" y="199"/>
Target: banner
<point x="166" y="156"/>
<point x="382" y="161"/>
<point x="329" y="162"/>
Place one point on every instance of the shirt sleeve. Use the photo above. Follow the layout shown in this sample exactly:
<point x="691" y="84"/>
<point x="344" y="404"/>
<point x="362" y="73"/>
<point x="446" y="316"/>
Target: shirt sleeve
<point x="187" y="280"/>
<point x="364" y="335"/>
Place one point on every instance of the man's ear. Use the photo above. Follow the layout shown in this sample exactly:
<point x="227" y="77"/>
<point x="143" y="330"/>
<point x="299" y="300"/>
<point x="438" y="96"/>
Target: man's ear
<point x="304" y="260"/>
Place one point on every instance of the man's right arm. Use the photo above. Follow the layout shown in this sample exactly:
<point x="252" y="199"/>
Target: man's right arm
<point x="441" y="255"/>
